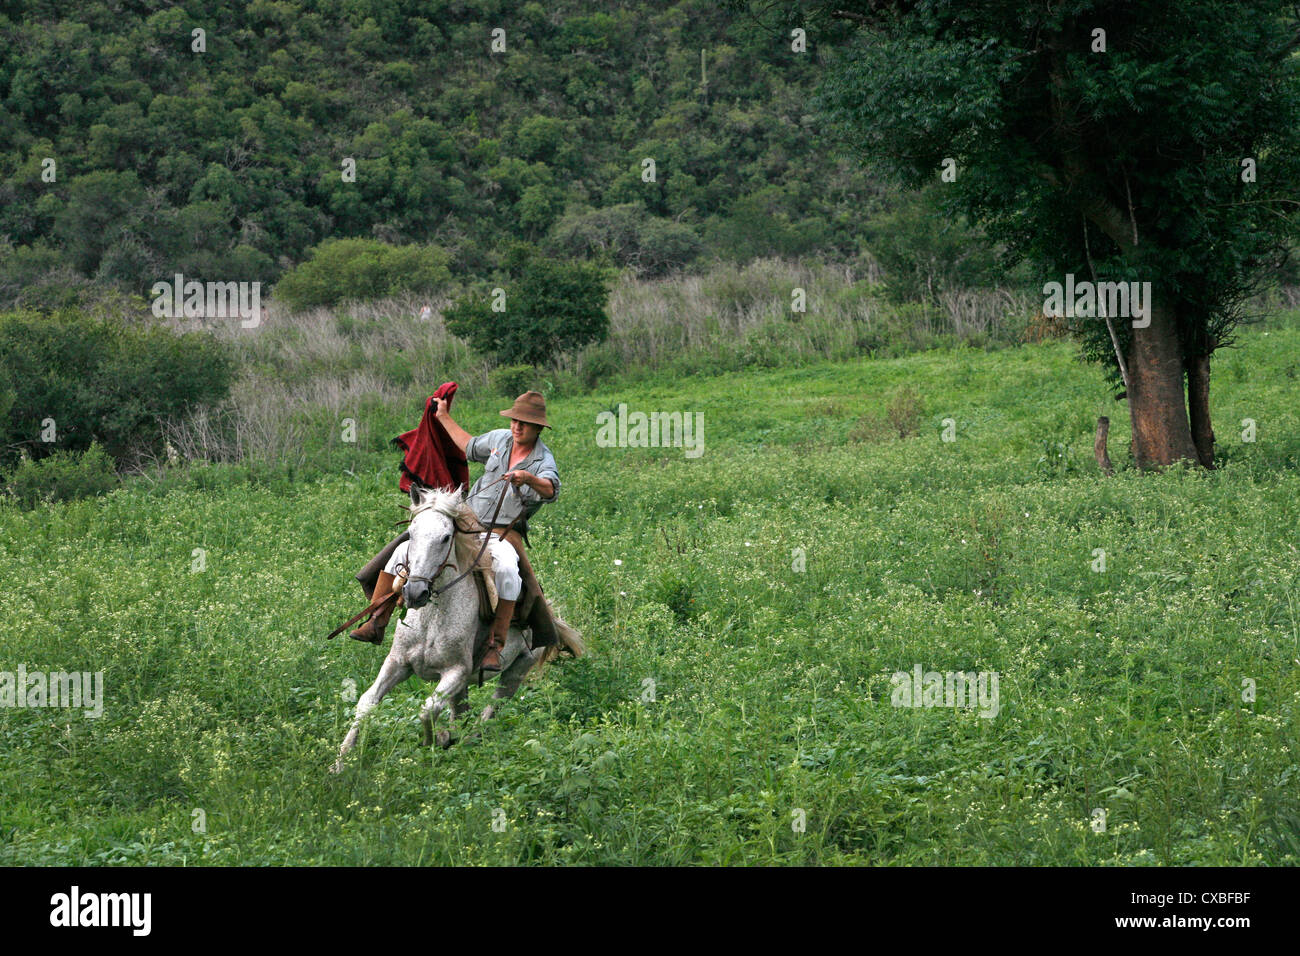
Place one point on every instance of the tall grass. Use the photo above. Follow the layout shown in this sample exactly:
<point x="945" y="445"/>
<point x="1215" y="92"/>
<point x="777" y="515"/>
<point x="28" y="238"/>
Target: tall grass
<point x="306" y="372"/>
<point x="735" y="317"/>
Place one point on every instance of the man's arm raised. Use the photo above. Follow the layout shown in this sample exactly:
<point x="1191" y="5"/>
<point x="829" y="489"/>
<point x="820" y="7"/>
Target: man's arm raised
<point x="458" y="434"/>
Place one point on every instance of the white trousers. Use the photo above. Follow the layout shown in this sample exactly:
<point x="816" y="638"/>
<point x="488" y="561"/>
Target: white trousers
<point x="505" y="566"/>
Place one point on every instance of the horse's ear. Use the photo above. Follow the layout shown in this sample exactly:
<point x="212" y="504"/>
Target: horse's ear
<point x="416" y="493"/>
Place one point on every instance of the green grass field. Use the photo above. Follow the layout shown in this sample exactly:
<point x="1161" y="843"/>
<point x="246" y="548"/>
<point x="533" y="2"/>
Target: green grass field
<point x="739" y="675"/>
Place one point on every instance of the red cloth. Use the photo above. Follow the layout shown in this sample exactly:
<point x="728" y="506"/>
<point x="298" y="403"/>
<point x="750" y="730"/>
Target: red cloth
<point x="432" y="458"/>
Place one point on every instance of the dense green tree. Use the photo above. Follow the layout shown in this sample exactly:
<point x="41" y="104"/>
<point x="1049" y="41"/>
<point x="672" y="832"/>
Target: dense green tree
<point x="1108" y="139"/>
<point x="549" y="308"/>
<point x="454" y="144"/>
<point x="67" y="381"/>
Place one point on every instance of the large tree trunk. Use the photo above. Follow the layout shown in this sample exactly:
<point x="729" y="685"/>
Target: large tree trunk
<point x="1162" y="434"/>
<point x="1198" y="407"/>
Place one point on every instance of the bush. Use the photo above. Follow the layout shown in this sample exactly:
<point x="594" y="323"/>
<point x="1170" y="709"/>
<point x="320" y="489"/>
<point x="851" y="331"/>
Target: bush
<point x="599" y="364"/>
<point x="362" y="269"/>
<point x="765" y="223"/>
<point x="666" y="246"/>
<point x="551" y="308"/>
<point x="613" y="231"/>
<point x="101" y="382"/>
<point x="62" y="476"/>
<point x="513" y="380"/>
<point x="37" y="277"/>
<point x="905" y="410"/>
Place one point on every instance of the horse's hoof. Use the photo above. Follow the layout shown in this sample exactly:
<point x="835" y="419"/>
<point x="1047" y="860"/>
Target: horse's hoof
<point x="337" y="767"/>
<point x="445" y="739"/>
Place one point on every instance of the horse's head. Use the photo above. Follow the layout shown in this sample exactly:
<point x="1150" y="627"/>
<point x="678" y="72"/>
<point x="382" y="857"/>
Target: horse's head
<point x="433" y="538"/>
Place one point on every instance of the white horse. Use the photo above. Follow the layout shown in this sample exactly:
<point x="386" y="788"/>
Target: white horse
<point x="442" y="631"/>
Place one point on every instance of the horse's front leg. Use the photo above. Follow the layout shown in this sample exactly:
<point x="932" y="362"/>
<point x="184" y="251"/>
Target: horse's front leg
<point x="391" y="674"/>
<point x="450" y="685"/>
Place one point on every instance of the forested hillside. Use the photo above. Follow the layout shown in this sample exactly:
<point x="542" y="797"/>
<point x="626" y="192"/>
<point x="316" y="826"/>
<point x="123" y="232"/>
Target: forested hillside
<point x="134" y="146"/>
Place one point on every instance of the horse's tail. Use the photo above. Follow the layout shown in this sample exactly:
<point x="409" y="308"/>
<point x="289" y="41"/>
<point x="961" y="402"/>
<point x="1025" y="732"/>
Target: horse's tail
<point x="570" y="640"/>
<point x="571" y="637"/>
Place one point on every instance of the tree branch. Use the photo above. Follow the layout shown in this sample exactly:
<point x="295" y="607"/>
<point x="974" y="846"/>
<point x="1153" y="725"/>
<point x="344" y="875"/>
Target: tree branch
<point x="1110" y="327"/>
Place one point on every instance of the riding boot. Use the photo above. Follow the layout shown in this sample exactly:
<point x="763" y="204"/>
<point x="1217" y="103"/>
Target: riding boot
<point x="497" y="639"/>
<point x="373" y="630"/>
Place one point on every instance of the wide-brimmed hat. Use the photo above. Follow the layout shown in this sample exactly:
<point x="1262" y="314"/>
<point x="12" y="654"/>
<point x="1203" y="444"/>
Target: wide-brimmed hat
<point x="529" y="407"/>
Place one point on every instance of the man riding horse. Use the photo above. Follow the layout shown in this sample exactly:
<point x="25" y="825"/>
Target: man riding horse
<point x="514" y="455"/>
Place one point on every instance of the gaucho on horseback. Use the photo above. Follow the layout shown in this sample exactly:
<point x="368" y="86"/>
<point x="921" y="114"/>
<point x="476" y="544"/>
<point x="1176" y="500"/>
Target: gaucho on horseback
<point x="520" y="476"/>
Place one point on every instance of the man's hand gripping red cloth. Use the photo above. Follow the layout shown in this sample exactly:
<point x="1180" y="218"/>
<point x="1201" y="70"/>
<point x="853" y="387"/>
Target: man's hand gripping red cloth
<point x="432" y="458"/>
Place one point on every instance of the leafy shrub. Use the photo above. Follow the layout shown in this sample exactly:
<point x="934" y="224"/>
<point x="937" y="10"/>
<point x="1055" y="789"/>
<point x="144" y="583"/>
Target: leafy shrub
<point x="38" y="277"/>
<point x="560" y="384"/>
<point x="551" y="308"/>
<point x="599" y="364"/>
<point x="62" y="476"/>
<point x="101" y="381"/>
<point x="770" y="221"/>
<point x="614" y="231"/>
<point x="905" y="410"/>
<point x="512" y="380"/>
<point x="340" y="269"/>
<point x="666" y="246"/>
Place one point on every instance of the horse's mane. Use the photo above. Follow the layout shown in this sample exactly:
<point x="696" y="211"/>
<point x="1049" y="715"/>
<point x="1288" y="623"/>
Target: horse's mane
<point x="453" y="505"/>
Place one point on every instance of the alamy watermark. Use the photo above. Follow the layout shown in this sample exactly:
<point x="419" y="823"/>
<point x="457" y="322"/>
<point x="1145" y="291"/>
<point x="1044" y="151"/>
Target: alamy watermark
<point x="1117" y="300"/>
<point x="78" y="690"/>
<point x="653" y="430"/>
<point x="76" y="909"/>
<point x="966" y="689"/>
<point x="178" y="299"/>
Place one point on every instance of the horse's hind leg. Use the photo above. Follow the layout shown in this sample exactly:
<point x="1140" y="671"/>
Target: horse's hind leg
<point x="390" y="675"/>
<point x="453" y="681"/>
<point x="460" y="706"/>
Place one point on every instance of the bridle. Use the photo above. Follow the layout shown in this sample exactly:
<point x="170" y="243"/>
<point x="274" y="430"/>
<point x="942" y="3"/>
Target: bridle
<point x="446" y="561"/>
<point x="378" y="603"/>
